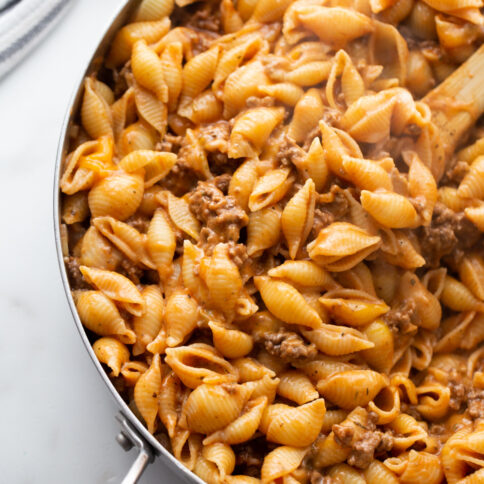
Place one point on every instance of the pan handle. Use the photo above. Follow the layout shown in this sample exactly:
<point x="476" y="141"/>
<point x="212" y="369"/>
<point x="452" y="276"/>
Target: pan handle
<point x="127" y="439"/>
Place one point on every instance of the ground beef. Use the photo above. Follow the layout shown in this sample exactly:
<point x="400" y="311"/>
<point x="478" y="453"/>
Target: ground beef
<point x="221" y="216"/>
<point x="214" y="137"/>
<point x="288" y="346"/>
<point x="455" y="174"/>
<point x="336" y="202"/>
<point x="204" y="19"/>
<point x="139" y="222"/>
<point x="131" y="270"/>
<point x="289" y="152"/>
<point x="222" y="182"/>
<point x="475" y="403"/>
<point x="403" y="318"/>
<point x="238" y="253"/>
<point x="449" y="232"/>
<point x="76" y="279"/>
<point x="457" y="389"/>
<point x="364" y="445"/>
<point x="322" y="218"/>
<point x="170" y="143"/>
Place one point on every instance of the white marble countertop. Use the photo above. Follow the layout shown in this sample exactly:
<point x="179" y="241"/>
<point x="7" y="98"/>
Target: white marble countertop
<point x="57" y="417"/>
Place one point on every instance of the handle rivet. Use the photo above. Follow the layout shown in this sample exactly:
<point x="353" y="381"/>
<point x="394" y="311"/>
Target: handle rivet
<point x="124" y="441"/>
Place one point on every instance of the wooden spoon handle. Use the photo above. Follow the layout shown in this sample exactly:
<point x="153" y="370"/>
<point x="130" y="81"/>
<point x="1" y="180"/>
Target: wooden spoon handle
<point x="457" y="103"/>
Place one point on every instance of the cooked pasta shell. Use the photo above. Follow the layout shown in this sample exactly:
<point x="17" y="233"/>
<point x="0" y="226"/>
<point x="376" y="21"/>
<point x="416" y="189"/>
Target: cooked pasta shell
<point x="118" y="195"/>
<point x="148" y="70"/>
<point x="406" y="255"/>
<point x="350" y="389"/>
<point x="457" y="297"/>
<point x="99" y="314"/>
<point x="476" y="216"/>
<point x="285" y="92"/>
<point x="310" y="73"/>
<point x="338" y="340"/>
<point x="232" y="343"/>
<point x="264" y="387"/>
<point x="252" y="129"/>
<point x="132" y="370"/>
<point x="281" y="462"/>
<point x="297" y="426"/>
<point x="346" y="473"/>
<point x="474" y="333"/>
<point x="150" y="108"/>
<point x="186" y="447"/>
<point x="303" y="273"/>
<point x="231" y="20"/>
<point x="433" y="400"/>
<point x="181" y="317"/>
<point x="250" y="369"/>
<point x="336" y="144"/>
<point x="148" y="326"/>
<point x="153" y="10"/>
<point x="198" y="72"/>
<point x="192" y="257"/>
<point x="451" y="199"/>
<point x="307" y="113"/>
<point x="472" y="186"/>
<point x="377" y="472"/>
<point x="111" y="352"/>
<point x="408" y="433"/>
<point x="242" y="182"/>
<point x="421" y="183"/>
<point x="161" y="243"/>
<point x="366" y="174"/>
<point x="353" y="311"/>
<point x="244" y="427"/>
<point x="197" y="363"/>
<point x="181" y="215"/>
<point x="241" y="84"/>
<point x="157" y="164"/>
<point x="379" y="357"/>
<point x="390" y="209"/>
<point x="346" y="24"/>
<point x="223" y="280"/>
<point x="137" y="136"/>
<point x="386" y="405"/>
<point x="171" y="63"/>
<point x="324" y="366"/>
<point x="97" y="252"/>
<point x="340" y="246"/>
<point x="168" y="402"/>
<point x="297" y="217"/>
<point x="124" y="237"/>
<point x="212" y="407"/>
<point x="124" y="40"/>
<point x="269" y="189"/>
<point x="314" y="165"/>
<point x="263" y="230"/>
<point x="416" y="466"/>
<point x="96" y="115"/>
<point x="286" y="303"/>
<point x="297" y="387"/>
<point x="221" y="455"/>
<point x="116" y="287"/>
<point x="146" y="393"/>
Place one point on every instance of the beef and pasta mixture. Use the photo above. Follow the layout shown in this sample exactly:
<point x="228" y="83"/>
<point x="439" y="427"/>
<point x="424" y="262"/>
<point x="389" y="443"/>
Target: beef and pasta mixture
<point x="277" y="256"/>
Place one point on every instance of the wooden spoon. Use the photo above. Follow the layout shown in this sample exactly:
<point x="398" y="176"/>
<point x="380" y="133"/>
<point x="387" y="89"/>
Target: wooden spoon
<point x="457" y="103"/>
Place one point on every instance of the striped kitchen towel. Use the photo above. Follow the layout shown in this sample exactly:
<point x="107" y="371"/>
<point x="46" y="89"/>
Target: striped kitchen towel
<point x="23" y="23"/>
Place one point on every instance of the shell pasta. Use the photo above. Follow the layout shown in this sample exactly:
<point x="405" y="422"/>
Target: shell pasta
<point x="275" y="262"/>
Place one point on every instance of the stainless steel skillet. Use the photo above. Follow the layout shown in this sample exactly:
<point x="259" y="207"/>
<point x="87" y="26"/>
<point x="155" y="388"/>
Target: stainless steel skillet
<point x="132" y="432"/>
